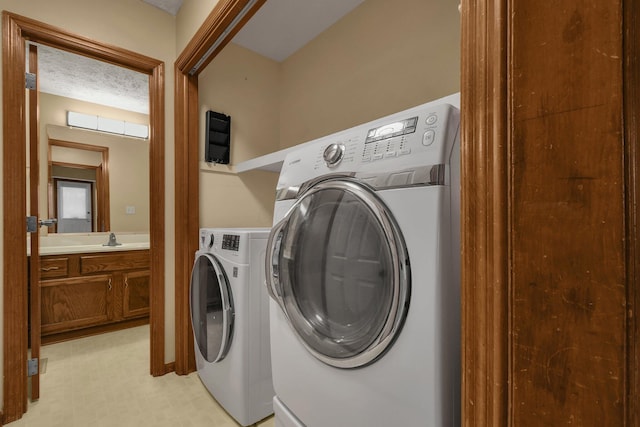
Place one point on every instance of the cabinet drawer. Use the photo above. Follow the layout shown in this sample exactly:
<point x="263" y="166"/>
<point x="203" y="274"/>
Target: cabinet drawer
<point x="54" y="267"/>
<point x="133" y="260"/>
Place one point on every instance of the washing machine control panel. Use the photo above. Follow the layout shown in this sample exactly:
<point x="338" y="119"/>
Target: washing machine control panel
<point x="414" y="138"/>
<point x="416" y="134"/>
<point x="231" y="242"/>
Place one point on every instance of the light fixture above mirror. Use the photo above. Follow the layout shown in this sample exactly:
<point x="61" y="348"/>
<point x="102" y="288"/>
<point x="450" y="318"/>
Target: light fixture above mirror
<point x="104" y="124"/>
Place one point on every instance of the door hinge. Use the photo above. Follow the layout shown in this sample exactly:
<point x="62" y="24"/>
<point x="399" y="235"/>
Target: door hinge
<point x="30" y="81"/>
<point x="32" y="367"/>
<point x="32" y="224"/>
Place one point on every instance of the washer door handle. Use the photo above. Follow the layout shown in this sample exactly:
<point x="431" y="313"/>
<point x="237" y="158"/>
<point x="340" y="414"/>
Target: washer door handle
<point x="272" y="262"/>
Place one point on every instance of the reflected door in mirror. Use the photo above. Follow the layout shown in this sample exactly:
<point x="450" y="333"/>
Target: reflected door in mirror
<point x="74" y="206"/>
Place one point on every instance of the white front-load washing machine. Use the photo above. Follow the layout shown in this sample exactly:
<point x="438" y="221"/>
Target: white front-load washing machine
<point x="363" y="269"/>
<point x="230" y="320"/>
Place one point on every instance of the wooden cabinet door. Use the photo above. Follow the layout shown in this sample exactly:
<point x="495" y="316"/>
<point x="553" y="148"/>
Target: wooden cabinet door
<point x="76" y="302"/>
<point x="135" y="294"/>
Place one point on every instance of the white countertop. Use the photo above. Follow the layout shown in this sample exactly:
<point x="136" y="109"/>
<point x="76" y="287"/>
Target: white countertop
<point x="77" y="249"/>
<point x="74" y="243"/>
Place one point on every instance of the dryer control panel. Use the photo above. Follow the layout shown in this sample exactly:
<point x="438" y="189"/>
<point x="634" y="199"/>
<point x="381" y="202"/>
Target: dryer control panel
<point x="423" y="135"/>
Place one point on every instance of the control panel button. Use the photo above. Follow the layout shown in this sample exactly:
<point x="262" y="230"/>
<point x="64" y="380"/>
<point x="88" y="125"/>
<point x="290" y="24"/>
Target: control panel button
<point x="432" y="119"/>
<point x="405" y="151"/>
<point x="333" y="154"/>
<point x="428" y="137"/>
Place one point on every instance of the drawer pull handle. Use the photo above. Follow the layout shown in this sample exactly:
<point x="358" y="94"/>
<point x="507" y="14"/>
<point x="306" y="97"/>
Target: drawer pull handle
<point x="49" y="268"/>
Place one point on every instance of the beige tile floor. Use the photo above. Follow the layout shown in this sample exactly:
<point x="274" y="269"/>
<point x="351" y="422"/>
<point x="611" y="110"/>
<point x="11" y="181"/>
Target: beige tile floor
<point x="103" y="381"/>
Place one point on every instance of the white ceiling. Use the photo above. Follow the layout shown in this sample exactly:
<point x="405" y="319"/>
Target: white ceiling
<point x="281" y="27"/>
<point x="277" y="30"/>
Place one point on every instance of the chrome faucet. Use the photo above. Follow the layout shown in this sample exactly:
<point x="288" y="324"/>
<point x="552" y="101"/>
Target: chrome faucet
<point x="112" y="240"/>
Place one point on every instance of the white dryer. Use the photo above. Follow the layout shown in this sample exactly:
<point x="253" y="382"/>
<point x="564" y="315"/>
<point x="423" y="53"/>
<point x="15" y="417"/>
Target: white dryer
<point x="363" y="267"/>
<point x="230" y="320"/>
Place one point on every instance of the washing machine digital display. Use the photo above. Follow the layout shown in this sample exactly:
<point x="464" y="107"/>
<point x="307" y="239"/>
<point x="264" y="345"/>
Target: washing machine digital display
<point x="231" y="242"/>
<point x="402" y="127"/>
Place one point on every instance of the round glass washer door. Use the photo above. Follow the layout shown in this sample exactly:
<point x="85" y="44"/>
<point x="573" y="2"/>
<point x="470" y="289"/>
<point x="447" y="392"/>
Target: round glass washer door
<point x="211" y="305"/>
<point x="339" y="269"/>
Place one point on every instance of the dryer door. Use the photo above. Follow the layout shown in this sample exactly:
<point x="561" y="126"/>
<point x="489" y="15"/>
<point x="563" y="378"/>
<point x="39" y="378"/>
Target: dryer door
<point x="211" y="306"/>
<point x="339" y="269"/>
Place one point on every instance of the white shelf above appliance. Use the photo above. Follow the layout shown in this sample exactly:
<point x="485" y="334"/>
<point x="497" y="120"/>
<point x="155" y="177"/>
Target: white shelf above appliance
<point x="271" y="162"/>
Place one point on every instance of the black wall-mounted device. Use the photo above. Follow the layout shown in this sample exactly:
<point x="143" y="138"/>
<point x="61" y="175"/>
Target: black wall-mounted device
<point x="218" y="138"/>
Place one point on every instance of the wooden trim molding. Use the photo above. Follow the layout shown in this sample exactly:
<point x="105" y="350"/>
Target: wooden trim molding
<point x="484" y="190"/>
<point x="16" y="31"/>
<point x="631" y="99"/>
<point x="187" y="165"/>
<point x="14" y="207"/>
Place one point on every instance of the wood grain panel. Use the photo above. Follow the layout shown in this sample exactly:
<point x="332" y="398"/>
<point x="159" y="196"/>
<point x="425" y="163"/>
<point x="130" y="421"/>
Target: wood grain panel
<point x="13" y="222"/>
<point x="34" y="237"/>
<point x="631" y="91"/>
<point x="126" y="260"/>
<point x="135" y="294"/>
<point x="567" y="230"/>
<point x="484" y="204"/>
<point x="75" y="303"/>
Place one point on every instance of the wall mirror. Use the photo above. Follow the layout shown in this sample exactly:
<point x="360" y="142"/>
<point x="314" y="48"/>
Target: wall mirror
<point x="111" y="169"/>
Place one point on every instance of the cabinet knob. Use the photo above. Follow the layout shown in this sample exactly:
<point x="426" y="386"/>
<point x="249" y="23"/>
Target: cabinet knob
<point x="109" y="283"/>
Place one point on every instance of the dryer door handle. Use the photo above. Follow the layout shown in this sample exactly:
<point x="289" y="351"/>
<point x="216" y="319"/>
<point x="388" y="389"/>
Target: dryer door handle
<point x="272" y="262"/>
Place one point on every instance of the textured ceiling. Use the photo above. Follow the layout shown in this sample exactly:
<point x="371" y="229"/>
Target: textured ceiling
<point x="78" y="77"/>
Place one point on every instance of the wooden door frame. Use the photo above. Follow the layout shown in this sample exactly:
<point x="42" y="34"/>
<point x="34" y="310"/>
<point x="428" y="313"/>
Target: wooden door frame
<point x="487" y="141"/>
<point x="187" y="203"/>
<point x="16" y="30"/>
<point x="484" y="198"/>
<point x="102" y="182"/>
<point x="631" y="111"/>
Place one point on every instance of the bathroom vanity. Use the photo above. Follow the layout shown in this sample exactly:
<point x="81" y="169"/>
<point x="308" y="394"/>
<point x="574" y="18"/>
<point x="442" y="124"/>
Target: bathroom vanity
<point x="93" y="289"/>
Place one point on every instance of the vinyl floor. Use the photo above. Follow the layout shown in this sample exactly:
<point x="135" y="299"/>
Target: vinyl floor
<point x="104" y="381"/>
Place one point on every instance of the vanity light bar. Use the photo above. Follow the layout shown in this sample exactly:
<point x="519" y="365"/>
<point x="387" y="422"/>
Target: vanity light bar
<point x="103" y="124"/>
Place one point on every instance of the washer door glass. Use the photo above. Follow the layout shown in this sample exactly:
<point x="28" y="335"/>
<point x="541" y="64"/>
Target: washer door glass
<point x="211" y="308"/>
<point x="343" y="273"/>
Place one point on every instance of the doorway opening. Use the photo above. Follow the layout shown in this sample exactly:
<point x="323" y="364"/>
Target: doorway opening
<point x="17" y="31"/>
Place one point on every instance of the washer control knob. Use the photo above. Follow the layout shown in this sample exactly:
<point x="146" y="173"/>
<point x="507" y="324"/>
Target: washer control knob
<point x="210" y="242"/>
<point x="333" y="154"/>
